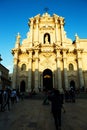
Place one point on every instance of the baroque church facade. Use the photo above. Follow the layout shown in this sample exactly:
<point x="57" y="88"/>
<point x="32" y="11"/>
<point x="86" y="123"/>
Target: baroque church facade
<point x="46" y="58"/>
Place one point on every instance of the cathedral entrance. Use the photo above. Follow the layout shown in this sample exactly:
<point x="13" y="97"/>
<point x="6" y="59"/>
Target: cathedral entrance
<point x="22" y="86"/>
<point x="72" y="84"/>
<point x="47" y="79"/>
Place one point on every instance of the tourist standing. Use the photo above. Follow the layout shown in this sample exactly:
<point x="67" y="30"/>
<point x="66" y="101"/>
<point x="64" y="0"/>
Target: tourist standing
<point x="56" y="103"/>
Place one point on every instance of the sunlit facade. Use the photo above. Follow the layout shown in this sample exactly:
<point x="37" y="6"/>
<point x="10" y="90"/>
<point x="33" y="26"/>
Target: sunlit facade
<point x="47" y="58"/>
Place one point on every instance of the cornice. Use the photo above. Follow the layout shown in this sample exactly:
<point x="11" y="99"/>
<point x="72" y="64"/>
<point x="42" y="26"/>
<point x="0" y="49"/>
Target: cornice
<point x="83" y="40"/>
<point x="15" y="50"/>
<point x="79" y="50"/>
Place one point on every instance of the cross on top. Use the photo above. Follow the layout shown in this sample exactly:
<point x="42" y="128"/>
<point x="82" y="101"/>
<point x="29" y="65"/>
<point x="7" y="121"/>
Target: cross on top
<point x="46" y="9"/>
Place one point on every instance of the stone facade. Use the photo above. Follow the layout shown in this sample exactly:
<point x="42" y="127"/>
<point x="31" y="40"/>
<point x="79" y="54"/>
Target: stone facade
<point x="47" y="58"/>
<point x="4" y="77"/>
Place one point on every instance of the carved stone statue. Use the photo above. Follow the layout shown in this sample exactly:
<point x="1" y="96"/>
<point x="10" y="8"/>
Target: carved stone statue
<point x="46" y="39"/>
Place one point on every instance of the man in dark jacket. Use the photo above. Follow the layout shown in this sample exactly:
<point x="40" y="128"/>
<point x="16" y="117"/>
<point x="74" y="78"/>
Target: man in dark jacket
<point x="56" y="103"/>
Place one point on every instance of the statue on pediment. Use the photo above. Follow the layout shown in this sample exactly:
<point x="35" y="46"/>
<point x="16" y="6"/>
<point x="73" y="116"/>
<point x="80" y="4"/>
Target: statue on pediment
<point x="46" y="39"/>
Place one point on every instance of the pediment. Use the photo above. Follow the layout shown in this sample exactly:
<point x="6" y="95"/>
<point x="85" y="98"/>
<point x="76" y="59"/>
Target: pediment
<point x="46" y="15"/>
<point x="46" y="27"/>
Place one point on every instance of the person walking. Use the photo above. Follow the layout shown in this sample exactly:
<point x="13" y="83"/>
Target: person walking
<point x="56" y="106"/>
<point x="1" y="99"/>
<point x="7" y="102"/>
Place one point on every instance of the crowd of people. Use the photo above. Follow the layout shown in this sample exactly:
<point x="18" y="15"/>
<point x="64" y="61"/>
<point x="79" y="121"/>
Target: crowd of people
<point x="70" y="95"/>
<point x="8" y="97"/>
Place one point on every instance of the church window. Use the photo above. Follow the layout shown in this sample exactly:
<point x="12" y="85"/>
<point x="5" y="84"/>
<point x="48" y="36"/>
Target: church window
<point x="23" y="67"/>
<point x="71" y="67"/>
<point x="46" y="38"/>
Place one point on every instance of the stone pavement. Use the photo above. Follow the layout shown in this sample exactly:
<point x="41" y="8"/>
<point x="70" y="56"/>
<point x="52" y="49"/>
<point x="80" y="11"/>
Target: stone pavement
<point x="30" y="114"/>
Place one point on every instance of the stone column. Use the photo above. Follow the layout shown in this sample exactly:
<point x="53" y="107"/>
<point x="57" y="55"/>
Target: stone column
<point x="79" y="59"/>
<point x="57" y="37"/>
<point x="36" y="71"/>
<point x="31" y="29"/>
<point x="62" y="32"/>
<point x="65" y="70"/>
<point x="56" y="30"/>
<point x="40" y="80"/>
<point x="41" y="76"/>
<point x="15" y="68"/>
<point x="53" y="80"/>
<point x="30" y="72"/>
<point x="37" y="30"/>
<point x="59" y="72"/>
<point x="15" y="54"/>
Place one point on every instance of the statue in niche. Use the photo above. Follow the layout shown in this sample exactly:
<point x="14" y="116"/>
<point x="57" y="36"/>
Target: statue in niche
<point x="46" y="39"/>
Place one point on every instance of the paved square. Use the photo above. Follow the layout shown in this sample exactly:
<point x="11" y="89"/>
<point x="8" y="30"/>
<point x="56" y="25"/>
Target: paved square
<point x="30" y="114"/>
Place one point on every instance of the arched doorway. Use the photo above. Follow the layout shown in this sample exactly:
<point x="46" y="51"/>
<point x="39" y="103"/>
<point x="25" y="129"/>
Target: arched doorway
<point x="47" y="79"/>
<point x="72" y="84"/>
<point x="22" y="86"/>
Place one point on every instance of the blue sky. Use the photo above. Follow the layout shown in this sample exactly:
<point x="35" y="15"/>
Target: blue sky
<point x="14" y="15"/>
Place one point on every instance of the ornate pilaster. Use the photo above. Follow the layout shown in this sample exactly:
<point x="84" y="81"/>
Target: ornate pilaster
<point x="37" y="29"/>
<point x="15" y="54"/>
<point x="59" y="72"/>
<point x="57" y="22"/>
<point x="36" y="71"/>
<point x="31" y="24"/>
<point x="79" y="61"/>
<point x="15" y="68"/>
<point x="80" y="73"/>
<point x="62" y="31"/>
<point x="56" y="29"/>
<point x="65" y="70"/>
<point x="30" y="71"/>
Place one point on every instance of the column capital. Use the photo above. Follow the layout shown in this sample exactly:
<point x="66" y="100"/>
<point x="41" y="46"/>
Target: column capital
<point x="64" y="55"/>
<point x="31" y="22"/>
<point x="58" y="51"/>
<point x="36" y="51"/>
<point x="29" y="51"/>
<point x="37" y="20"/>
<point x="61" y="21"/>
<point x="36" y="55"/>
<point x="64" y="50"/>
<point x="79" y="51"/>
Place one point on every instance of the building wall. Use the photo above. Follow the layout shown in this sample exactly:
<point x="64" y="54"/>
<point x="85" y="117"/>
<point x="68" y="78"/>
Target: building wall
<point x="56" y="56"/>
<point x="4" y="77"/>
